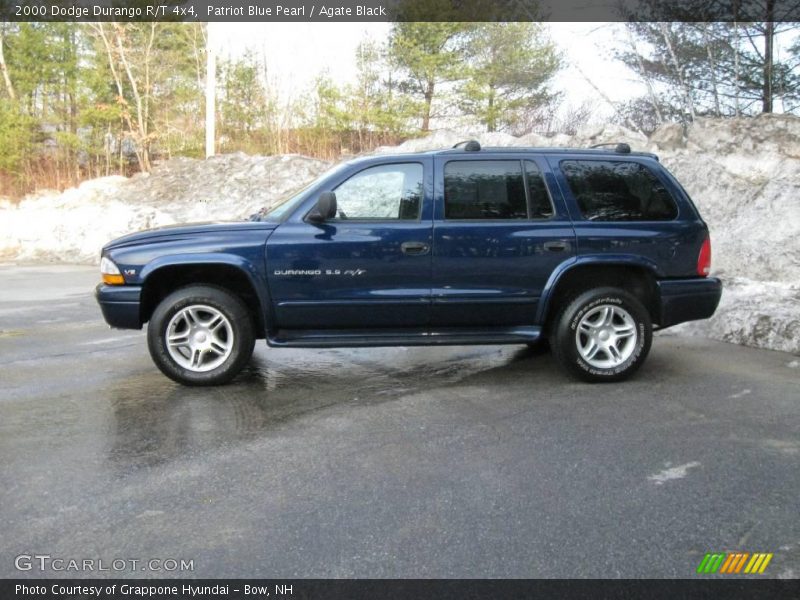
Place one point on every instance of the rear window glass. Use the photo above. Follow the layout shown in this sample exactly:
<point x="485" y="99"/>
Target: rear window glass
<point x="618" y="191"/>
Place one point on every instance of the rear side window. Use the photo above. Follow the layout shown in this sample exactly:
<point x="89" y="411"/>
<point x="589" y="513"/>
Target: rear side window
<point x="484" y="189"/>
<point x="618" y="191"/>
<point x="385" y="192"/>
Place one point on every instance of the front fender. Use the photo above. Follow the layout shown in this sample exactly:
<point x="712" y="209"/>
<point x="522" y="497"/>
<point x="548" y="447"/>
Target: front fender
<point x="203" y="258"/>
<point x="253" y="272"/>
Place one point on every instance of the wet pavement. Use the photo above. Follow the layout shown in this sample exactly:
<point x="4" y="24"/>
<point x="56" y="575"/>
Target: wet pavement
<point x="398" y="462"/>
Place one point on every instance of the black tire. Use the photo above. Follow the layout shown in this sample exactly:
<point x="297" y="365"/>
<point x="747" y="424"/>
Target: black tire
<point x="240" y="327"/>
<point x="565" y="339"/>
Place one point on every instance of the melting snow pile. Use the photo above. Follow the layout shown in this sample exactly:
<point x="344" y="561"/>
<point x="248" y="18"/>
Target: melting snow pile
<point x="73" y="226"/>
<point x="744" y="175"/>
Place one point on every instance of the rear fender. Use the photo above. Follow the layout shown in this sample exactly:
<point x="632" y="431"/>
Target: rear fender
<point x="609" y="260"/>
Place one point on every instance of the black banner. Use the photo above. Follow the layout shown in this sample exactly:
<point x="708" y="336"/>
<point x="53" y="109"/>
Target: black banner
<point x="397" y="589"/>
<point x="400" y="10"/>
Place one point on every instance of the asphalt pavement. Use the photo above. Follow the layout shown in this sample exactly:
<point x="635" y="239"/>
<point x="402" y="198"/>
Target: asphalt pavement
<point x="398" y="462"/>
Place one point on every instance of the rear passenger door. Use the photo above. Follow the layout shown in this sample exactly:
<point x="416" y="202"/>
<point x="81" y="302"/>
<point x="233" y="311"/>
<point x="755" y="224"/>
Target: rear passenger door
<point x="500" y="229"/>
<point x="624" y="209"/>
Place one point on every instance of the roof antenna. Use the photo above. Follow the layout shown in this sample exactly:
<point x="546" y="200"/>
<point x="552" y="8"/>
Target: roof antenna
<point x="469" y="145"/>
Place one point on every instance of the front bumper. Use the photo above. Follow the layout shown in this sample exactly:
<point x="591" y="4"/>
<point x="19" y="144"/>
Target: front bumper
<point x="684" y="300"/>
<point x="120" y="305"/>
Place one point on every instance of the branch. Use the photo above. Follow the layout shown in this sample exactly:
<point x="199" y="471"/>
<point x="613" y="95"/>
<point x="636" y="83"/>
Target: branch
<point x="100" y="30"/>
<point x="611" y="103"/>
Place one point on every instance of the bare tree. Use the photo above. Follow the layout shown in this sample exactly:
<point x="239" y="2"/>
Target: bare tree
<point x="648" y="82"/>
<point x="713" y="64"/>
<point x="687" y="96"/>
<point x="4" y="69"/>
<point x="100" y="32"/>
<point x="118" y="49"/>
<point x="142" y="103"/>
<point x="615" y="105"/>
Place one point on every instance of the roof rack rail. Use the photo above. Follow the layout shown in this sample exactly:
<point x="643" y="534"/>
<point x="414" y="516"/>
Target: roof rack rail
<point x="469" y="145"/>
<point x="619" y="148"/>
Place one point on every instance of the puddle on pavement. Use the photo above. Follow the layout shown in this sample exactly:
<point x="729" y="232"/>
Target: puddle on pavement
<point x="154" y="420"/>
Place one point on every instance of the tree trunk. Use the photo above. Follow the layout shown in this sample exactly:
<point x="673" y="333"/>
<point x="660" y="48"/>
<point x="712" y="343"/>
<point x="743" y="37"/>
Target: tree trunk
<point x="141" y="152"/>
<point x="426" y="115"/>
<point x="491" y="121"/>
<point x="769" y="38"/>
<point x="4" y="69"/>
<point x="687" y="95"/>
<point x="148" y="92"/>
<point x="211" y="93"/>
<point x="712" y="63"/>
<point x="736" y="75"/>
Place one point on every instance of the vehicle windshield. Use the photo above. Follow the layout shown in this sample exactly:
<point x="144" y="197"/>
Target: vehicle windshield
<point x="284" y="206"/>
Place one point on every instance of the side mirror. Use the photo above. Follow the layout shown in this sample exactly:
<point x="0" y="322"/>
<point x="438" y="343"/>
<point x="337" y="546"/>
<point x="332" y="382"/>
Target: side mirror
<point x="325" y="208"/>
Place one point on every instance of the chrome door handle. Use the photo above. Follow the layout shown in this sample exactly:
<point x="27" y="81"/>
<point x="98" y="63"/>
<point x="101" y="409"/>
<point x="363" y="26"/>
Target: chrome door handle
<point x="556" y="246"/>
<point x="415" y="248"/>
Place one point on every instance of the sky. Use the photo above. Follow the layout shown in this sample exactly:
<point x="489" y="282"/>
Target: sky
<point x="297" y="52"/>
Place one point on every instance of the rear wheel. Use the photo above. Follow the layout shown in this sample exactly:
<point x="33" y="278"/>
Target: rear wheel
<point x="201" y="335"/>
<point x="603" y="334"/>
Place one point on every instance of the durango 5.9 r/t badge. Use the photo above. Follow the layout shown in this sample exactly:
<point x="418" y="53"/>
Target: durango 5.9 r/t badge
<point x="316" y="272"/>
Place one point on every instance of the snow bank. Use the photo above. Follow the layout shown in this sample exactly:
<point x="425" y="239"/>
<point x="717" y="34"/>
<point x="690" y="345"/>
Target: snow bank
<point x="744" y="175"/>
<point x="762" y="314"/>
<point x="73" y="226"/>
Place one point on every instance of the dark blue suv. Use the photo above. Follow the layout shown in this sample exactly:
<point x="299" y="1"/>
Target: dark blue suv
<point x="588" y="249"/>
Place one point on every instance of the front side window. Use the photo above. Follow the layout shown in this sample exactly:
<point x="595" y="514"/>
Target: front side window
<point x="618" y="191"/>
<point x="385" y="192"/>
<point x="484" y="189"/>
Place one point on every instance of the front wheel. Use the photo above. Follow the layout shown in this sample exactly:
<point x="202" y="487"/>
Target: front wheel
<point x="201" y="335"/>
<point x="603" y="334"/>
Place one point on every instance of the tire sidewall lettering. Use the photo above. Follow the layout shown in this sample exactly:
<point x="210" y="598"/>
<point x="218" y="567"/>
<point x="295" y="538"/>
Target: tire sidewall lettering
<point x="640" y="338"/>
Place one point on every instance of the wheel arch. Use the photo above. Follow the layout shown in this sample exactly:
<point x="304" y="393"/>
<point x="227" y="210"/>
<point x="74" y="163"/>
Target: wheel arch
<point x="164" y="275"/>
<point x="634" y="274"/>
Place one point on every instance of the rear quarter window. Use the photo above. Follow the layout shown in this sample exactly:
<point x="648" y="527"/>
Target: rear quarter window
<point x="618" y="191"/>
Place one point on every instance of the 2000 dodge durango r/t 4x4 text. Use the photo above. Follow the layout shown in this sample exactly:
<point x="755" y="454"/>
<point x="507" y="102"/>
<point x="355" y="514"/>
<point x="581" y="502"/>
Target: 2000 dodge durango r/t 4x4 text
<point x="590" y="249"/>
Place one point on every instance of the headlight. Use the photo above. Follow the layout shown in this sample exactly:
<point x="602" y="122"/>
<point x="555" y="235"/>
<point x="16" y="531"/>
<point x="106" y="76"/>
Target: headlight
<point x="110" y="272"/>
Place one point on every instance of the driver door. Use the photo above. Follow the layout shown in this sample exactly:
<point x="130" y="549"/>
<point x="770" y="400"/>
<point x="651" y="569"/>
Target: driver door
<point x="370" y="267"/>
